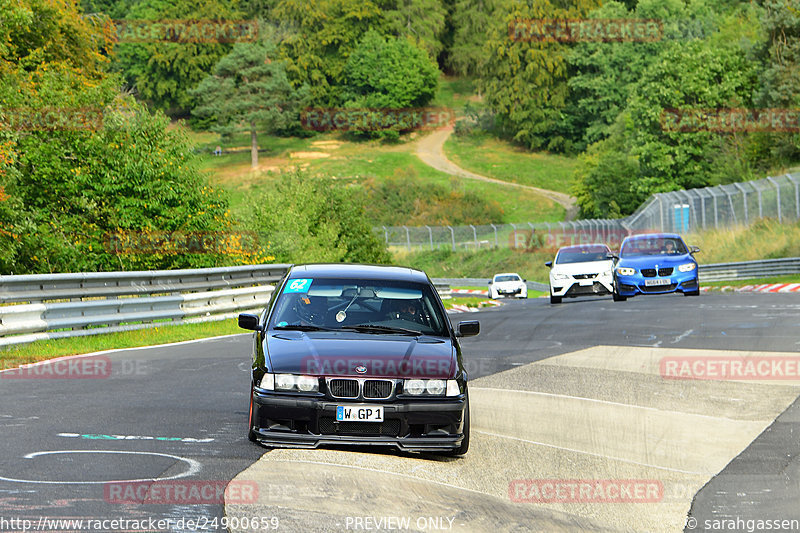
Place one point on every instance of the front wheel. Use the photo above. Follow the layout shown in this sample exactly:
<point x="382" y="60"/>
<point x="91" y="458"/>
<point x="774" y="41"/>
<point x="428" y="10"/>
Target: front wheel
<point x="461" y="450"/>
<point x="693" y="293"/>
<point x="251" y="435"/>
<point x="616" y="295"/>
<point x="555" y="299"/>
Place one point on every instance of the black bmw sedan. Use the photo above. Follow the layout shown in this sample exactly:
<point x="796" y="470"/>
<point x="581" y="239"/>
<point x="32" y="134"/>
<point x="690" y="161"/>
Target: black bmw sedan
<point x="358" y="354"/>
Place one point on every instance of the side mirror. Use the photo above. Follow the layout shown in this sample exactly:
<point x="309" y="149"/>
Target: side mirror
<point x="490" y="282"/>
<point x="248" y="321"/>
<point x="693" y="249"/>
<point x="468" y="328"/>
<point x="524" y="281"/>
<point x="548" y="264"/>
<point x="612" y="256"/>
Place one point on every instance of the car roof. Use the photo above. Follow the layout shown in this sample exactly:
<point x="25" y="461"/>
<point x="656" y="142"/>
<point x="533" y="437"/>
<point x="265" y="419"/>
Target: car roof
<point x="583" y="247"/>
<point x="357" y="271"/>
<point x="653" y="236"/>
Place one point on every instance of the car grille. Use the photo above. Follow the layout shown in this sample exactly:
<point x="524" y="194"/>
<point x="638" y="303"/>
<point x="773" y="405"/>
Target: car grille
<point x="343" y="388"/>
<point x="649" y="272"/>
<point x="596" y="288"/>
<point x="584" y="276"/>
<point x="375" y="388"/>
<point x="660" y="288"/>
<point x="389" y="428"/>
<point x="665" y="271"/>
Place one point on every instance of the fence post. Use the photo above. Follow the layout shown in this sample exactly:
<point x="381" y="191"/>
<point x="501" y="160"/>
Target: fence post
<point x="661" y="210"/>
<point x="796" y="194"/>
<point x="515" y="235"/>
<point x="744" y="193"/>
<point x="778" y="189"/>
<point x="386" y="235"/>
<point x="703" y="205"/>
<point x="408" y="239"/>
<point x="474" y="236"/>
<point x="760" y="207"/>
<point x="452" y="237"/>
<point x="430" y="235"/>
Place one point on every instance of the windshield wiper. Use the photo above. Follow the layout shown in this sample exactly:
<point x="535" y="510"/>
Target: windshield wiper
<point x="375" y="328"/>
<point x="302" y="327"/>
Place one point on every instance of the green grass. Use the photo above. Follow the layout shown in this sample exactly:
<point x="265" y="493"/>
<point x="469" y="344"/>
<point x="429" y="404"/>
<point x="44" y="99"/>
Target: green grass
<point x="453" y="93"/>
<point x="13" y="356"/>
<point x="501" y="160"/>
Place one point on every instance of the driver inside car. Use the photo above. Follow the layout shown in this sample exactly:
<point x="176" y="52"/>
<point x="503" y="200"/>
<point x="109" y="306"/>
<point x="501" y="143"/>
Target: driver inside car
<point x="311" y="310"/>
<point x="406" y="310"/>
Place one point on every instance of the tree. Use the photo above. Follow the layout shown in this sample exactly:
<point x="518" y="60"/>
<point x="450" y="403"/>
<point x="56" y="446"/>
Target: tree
<point x="388" y="74"/>
<point x="420" y="21"/>
<point x="249" y="90"/>
<point x="525" y="81"/>
<point x="319" y="37"/>
<point x="304" y="219"/>
<point x="471" y="20"/>
<point x="163" y="73"/>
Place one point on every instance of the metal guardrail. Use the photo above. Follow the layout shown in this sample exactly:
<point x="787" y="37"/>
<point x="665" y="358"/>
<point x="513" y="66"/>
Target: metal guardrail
<point x="90" y="303"/>
<point x="764" y="268"/>
<point x="68" y="305"/>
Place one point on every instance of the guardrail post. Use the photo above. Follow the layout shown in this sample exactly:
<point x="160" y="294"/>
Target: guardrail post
<point x="778" y="189"/>
<point x="453" y="237"/>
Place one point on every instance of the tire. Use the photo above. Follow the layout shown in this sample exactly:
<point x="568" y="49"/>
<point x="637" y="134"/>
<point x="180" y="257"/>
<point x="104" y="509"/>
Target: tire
<point x="693" y="293"/>
<point x="461" y="450"/>
<point x="616" y="295"/>
<point x="555" y="299"/>
<point x="251" y="435"/>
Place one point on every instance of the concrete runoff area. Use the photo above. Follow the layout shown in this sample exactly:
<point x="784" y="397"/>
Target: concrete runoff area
<point x="597" y="419"/>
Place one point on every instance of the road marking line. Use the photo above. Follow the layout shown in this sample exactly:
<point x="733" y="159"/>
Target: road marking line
<point x="616" y="404"/>
<point x="593" y="454"/>
<point x="194" y="468"/>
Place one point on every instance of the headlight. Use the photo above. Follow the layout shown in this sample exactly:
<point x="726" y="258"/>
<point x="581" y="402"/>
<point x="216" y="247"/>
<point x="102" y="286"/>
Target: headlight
<point x="414" y="386"/>
<point x="561" y="276"/>
<point x="431" y="387"/>
<point x="435" y="386"/>
<point x="624" y="271"/>
<point x="290" y="382"/>
<point x="688" y="267"/>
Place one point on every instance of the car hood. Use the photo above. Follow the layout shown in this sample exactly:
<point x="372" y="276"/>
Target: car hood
<point x="588" y="267"/>
<point x="340" y="353"/>
<point x="650" y="261"/>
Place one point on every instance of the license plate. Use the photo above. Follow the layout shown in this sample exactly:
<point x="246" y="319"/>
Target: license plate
<point x="359" y="413"/>
<point x="586" y="282"/>
<point x="656" y="282"/>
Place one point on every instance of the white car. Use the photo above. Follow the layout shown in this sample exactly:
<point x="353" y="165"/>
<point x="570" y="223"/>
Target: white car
<point x="507" y="284"/>
<point x="581" y="270"/>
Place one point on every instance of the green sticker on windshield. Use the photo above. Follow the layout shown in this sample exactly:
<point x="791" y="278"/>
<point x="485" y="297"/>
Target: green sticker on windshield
<point x="298" y="285"/>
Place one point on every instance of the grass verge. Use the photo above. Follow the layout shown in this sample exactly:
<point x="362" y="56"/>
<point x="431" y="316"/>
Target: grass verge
<point x="13" y="356"/>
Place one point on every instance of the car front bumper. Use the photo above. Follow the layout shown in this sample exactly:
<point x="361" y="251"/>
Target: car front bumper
<point x="599" y="286"/>
<point x="678" y="282"/>
<point x="412" y="425"/>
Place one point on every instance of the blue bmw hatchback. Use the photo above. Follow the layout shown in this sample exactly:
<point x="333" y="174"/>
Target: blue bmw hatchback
<point x="655" y="263"/>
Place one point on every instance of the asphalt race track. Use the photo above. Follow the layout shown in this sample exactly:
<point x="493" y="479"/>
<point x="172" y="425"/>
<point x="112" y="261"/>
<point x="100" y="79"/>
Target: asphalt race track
<point x="571" y="393"/>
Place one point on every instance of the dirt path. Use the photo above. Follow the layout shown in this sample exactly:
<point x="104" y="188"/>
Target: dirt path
<point x="430" y="151"/>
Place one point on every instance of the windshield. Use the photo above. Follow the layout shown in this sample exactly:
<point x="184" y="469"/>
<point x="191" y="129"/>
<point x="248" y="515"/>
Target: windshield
<point x="506" y="277"/>
<point x="653" y="246"/>
<point x="369" y="306"/>
<point x="582" y="254"/>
